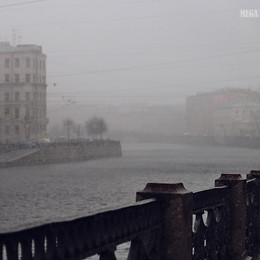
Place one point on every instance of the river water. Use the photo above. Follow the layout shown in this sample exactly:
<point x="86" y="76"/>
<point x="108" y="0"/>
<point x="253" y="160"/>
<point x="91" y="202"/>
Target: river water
<point x="47" y="192"/>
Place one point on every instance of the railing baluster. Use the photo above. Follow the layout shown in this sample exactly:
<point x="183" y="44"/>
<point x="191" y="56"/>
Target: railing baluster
<point x="198" y="237"/>
<point x="1" y="250"/>
<point x="137" y="251"/>
<point x="26" y="245"/>
<point x="51" y="245"/>
<point x="12" y="249"/>
<point x="62" y="248"/>
<point x="107" y="255"/>
<point x="224" y="233"/>
<point x="39" y="240"/>
<point x="211" y="244"/>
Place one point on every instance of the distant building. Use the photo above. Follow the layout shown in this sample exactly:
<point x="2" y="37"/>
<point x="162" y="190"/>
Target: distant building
<point x="22" y="92"/>
<point x="226" y="112"/>
<point x="238" y="119"/>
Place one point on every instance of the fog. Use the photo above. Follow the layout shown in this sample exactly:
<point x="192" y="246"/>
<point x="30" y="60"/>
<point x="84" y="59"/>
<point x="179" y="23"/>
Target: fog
<point x="128" y="53"/>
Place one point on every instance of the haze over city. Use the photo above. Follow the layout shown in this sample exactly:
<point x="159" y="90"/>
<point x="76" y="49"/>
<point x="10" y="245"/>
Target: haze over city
<point x="134" y="53"/>
<point x="138" y="51"/>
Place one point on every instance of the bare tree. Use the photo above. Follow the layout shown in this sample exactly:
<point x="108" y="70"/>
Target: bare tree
<point x="96" y="126"/>
<point x="68" y="124"/>
<point x="77" y="130"/>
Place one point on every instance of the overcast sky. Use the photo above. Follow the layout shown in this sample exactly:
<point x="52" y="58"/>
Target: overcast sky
<point x="132" y="51"/>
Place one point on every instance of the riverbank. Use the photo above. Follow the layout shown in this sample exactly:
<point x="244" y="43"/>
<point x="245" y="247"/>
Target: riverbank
<point x="226" y="141"/>
<point x="61" y="152"/>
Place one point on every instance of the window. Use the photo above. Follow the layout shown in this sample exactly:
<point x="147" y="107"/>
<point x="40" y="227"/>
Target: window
<point x="27" y="96"/>
<point x="7" y="95"/>
<point x="7" y="63"/>
<point x="35" y="112"/>
<point x="7" y="78"/>
<point x="34" y="96"/>
<point x="17" y="129"/>
<point x="27" y="113"/>
<point x="17" y="62"/>
<point x="16" y="113"/>
<point x="7" y="113"/>
<point x="28" y="62"/>
<point x="34" y="78"/>
<point x="27" y="77"/>
<point x="16" y="96"/>
<point x="34" y="63"/>
<point x="7" y="130"/>
<point x="16" y="77"/>
<point x="40" y="64"/>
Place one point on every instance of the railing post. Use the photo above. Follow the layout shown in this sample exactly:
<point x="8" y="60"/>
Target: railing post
<point x="251" y="175"/>
<point x="237" y="213"/>
<point x="177" y="218"/>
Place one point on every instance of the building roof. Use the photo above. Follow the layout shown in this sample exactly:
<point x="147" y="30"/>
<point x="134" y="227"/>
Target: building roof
<point x="6" y="47"/>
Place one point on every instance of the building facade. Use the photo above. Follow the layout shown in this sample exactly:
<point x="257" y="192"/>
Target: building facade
<point x="226" y="112"/>
<point x="22" y="93"/>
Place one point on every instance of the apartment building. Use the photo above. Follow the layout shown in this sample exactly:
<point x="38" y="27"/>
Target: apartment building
<point x="225" y="112"/>
<point x="22" y="92"/>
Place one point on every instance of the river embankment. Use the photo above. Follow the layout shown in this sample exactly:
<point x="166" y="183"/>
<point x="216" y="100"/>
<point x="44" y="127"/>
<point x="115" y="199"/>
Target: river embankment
<point x="63" y="152"/>
<point x="250" y="142"/>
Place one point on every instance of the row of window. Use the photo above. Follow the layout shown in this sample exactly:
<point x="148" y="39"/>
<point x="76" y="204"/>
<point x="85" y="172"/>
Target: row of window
<point x="26" y="115"/>
<point x="16" y="113"/>
<point x="17" y="129"/>
<point x="36" y="96"/>
<point x="26" y="79"/>
<point x="27" y="63"/>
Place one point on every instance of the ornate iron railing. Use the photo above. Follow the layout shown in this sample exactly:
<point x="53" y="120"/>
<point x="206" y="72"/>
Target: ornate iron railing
<point x="252" y="204"/>
<point x="87" y="236"/>
<point x="211" y="225"/>
<point x="225" y="226"/>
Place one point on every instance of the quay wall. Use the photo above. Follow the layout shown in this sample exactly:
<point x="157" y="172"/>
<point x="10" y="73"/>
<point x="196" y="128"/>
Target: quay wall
<point x="232" y="141"/>
<point x="58" y="153"/>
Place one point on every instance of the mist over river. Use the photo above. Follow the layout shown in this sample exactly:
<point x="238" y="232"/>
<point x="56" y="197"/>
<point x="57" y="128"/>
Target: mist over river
<point x="49" y="192"/>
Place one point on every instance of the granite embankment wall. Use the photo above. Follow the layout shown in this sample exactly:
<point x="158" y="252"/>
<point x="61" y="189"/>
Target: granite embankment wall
<point x="57" y="153"/>
<point x="232" y="141"/>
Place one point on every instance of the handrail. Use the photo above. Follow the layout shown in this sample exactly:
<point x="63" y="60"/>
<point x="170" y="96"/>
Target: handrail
<point x="82" y="237"/>
<point x="206" y="199"/>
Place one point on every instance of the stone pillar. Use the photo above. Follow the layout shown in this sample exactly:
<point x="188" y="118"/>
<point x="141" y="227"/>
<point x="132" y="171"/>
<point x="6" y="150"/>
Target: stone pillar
<point x="256" y="174"/>
<point x="177" y="218"/>
<point x="238" y="213"/>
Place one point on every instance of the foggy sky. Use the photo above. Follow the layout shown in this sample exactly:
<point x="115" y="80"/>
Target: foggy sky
<point x="132" y="51"/>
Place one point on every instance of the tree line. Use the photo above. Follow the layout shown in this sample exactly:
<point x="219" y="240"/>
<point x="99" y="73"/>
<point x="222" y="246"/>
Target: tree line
<point x="95" y="126"/>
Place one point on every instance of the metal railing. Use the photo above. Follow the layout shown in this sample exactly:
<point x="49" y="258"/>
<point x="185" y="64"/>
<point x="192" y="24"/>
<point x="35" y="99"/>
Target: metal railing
<point x="83" y="237"/>
<point x="226" y="225"/>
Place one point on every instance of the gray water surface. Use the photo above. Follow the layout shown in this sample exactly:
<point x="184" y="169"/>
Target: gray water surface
<point x="44" y="193"/>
